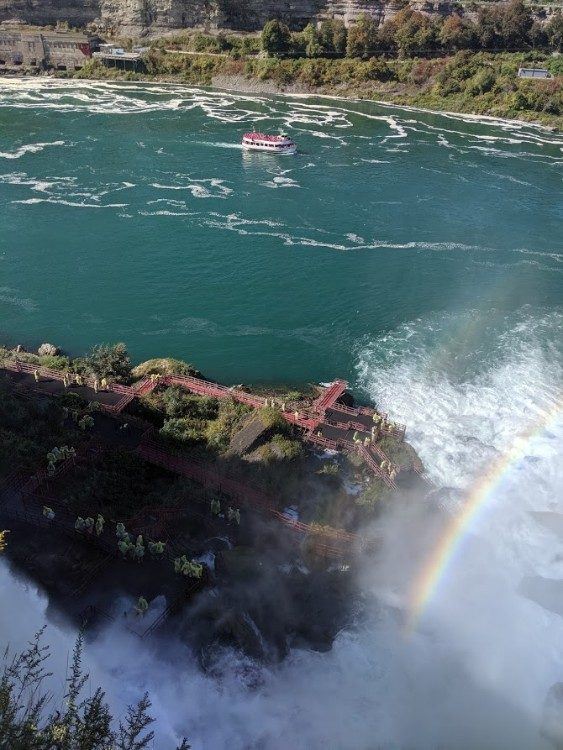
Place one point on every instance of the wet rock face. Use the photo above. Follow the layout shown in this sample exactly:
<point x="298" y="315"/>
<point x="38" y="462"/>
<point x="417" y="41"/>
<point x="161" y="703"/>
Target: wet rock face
<point x="263" y="609"/>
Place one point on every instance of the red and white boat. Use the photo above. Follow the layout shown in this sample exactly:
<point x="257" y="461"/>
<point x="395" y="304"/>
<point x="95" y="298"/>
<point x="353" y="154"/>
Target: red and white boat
<point x="275" y="144"/>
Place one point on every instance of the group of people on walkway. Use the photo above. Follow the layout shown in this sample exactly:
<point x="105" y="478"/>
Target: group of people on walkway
<point x="89" y="525"/>
<point x="233" y="514"/>
<point x="69" y="378"/>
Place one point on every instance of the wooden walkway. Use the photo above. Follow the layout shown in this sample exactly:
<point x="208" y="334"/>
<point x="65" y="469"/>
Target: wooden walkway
<point x="327" y="423"/>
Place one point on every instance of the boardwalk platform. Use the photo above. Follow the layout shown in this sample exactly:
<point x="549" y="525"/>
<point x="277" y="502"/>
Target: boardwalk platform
<point x="326" y="421"/>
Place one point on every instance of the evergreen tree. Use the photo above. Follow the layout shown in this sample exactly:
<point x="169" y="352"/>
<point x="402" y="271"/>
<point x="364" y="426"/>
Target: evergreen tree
<point x="84" y="724"/>
<point x="332" y="36"/>
<point x="313" y="45"/>
<point x="276" y="38"/>
<point x="131" y="735"/>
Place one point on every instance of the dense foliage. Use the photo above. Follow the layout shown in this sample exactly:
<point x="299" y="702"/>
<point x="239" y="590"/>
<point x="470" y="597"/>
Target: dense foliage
<point x="276" y="38"/>
<point x="481" y="82"/>
<point x="108" y="361"/>
<point x="499" y="27"/>
<point x="84" y="722"/>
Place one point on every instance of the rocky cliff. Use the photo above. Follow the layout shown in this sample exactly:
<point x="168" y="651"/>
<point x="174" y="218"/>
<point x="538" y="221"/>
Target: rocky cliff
<point x="45" y="12"/>
<point x="153" y="17"/>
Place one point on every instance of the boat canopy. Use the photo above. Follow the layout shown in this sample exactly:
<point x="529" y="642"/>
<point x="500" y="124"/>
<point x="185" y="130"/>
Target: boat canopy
<point x="268" y="138"/>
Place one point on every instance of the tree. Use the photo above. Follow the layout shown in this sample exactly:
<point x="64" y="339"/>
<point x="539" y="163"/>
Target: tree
<point x="109" y="361"/>
<point x="276" y="38"/>
<point x="554" y="31"/>
<point x="456" y="33"/>
<point x="386" y="36"/>
<point x="538" y="35"/>
<point x="312" y="39"/>
<point x="489" y="27"/>
<point x="362" y="37"/>
<point x="415" y="32"/>
<point x="131" y="735"/>
<point x="333" y="36"/>
<point x="85" y="724"/>
<point x="516" y="24"/>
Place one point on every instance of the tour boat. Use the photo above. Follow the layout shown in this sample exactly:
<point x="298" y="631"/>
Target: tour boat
<point x="275" y="144"/>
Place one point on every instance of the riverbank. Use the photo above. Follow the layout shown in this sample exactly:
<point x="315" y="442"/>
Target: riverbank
<point x="466" y="83"/>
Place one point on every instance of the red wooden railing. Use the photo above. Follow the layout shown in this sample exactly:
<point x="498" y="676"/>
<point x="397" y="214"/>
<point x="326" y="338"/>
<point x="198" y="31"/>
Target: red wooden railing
<point x="365" y="453"/>
<point x="329" y="396"/>
<point x="200" y="473"/>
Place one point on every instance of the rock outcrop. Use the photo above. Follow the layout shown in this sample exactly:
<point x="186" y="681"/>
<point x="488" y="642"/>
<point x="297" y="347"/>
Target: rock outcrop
<point x="155" y="17"/>
<point x="77" y="13"/>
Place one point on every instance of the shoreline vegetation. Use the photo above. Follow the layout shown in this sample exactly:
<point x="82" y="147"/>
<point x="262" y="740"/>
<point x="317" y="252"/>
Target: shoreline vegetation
<point x="460" y="63"/>
<point x="339" y="83"/>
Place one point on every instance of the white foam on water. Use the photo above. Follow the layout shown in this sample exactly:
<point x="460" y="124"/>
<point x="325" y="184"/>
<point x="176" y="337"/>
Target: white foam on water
<point x="11" y="297"/>
<point x="30" y="148"/>
<point x="355" y="238"/>
<point x="166" y="212"/>
<point x="71" y="204"/>
<point x="41" y="186"/>
<point x="280" y="182"/>
<point x="214" y="144"/>
<point x="199" y="189"/>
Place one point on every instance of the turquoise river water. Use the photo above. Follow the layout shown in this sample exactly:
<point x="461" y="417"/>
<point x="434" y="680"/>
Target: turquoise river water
<point x="129" y="212"/>
<point x="420" y="257"/>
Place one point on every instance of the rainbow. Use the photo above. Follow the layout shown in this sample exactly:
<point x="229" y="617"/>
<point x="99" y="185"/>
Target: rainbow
<point x="427" y="581"/>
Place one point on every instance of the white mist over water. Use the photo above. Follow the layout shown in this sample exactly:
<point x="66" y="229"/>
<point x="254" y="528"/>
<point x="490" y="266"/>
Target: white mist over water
<point x="476" y="671"/>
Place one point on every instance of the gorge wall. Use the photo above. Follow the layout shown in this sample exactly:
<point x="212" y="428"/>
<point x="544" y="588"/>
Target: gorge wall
<point x="153" y="17"/>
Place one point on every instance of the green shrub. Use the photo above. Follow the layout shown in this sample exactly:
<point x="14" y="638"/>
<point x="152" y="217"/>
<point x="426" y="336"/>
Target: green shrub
<point x="480" y="83"/>
<point x="330" y="469"/>
<point x="272" y="418"/>
<point x="164" y="366"/>
<point x="555" y="65"/>
<point x="287" y="449"/>
<point x="183" y="430"/>
<point x="219" y="431"/>
<point x="373" y="494"/>
<point x="109" y="361"/>
<point x="177" y="403"/>
<point x="57" y="362"/>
